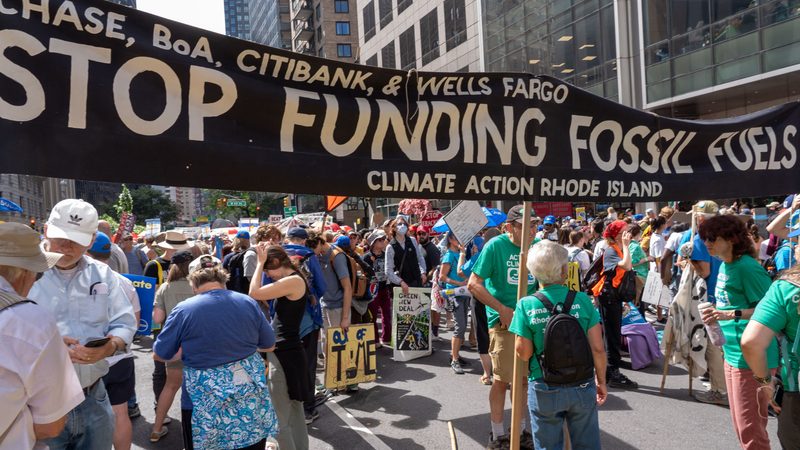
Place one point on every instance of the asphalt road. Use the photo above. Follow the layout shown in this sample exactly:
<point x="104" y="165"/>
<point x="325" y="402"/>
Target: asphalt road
<point x="411" y="403"/>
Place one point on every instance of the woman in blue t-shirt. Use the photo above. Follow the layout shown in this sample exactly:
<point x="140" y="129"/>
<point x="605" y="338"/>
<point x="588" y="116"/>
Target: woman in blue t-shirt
<point x="448" y="276"/>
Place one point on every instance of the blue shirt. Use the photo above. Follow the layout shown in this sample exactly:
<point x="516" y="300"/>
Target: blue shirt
<point x="700" y="253"/>
<point x="451" y="258"/>
<point x="213" y="328"/>
<point x="783" y="257"/>
<point x="333" y="297"/>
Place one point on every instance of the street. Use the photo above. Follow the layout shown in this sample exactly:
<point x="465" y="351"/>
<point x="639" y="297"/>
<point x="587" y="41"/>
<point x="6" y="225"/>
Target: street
<point x="410" y="405"/>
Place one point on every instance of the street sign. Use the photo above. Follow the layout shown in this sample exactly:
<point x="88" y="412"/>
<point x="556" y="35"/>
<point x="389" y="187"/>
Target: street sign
<point x="430" y="218"/>
<point x="235" y="203"/>
<point x="290" y="211"/>
<point x="275" y="218"/>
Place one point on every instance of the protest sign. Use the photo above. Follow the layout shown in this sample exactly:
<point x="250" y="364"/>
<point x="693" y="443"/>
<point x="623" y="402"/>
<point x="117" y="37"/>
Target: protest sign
<point x="655" y="292"/>
<point x="249" y="224"/>
<point x="411" y="323"/>
<point x="430" y="218"/>
<point x="146" y="290"/>
<point x="466" y="220"/>
<point x="140" y="84"/>
<point x="573" y="276"/>
<point x="350" y="357"/>
<point x="275" y="218"/>
<point x="152" y="227"/>
<point x="580" y="214"/>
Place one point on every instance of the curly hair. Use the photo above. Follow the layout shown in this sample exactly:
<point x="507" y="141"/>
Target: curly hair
<point x="733" y="230"/>
<point x="268" y="232"/>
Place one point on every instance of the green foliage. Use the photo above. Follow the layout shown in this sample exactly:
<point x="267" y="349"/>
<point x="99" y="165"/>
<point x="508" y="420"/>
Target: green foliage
<point x="149" y="203"/>
<point x="124" y="202"/>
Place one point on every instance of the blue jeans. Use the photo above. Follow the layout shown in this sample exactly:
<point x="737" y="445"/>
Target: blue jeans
<point x="90" y="426"/>
<point x="551" y="406"/>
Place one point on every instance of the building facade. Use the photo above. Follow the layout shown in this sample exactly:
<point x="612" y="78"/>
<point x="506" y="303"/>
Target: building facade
<point x="269" y="23"/>
<point x="440" y="35"/>
<point x="325" y="28"/>
<point x="131" y="3"/>
<point x="35" y="195"/>
<point x="237" y="18"/>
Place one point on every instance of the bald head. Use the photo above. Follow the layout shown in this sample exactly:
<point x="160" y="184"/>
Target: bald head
<point x="104" y="226"/>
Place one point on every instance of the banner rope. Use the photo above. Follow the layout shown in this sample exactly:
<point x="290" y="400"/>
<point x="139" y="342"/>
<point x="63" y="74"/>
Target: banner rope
<point x="408" y="104"/>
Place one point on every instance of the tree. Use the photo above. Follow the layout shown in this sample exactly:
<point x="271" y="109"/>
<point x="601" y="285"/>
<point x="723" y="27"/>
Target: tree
<point x="149" y="203"/>
<point x="124" y="202"/>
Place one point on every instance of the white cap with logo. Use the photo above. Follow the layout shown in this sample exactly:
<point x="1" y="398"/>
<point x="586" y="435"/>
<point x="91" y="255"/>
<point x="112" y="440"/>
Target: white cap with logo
<point x="72" y="219"/>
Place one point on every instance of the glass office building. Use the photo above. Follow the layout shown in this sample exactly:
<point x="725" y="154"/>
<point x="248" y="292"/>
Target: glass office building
<point x="574" y="40"/>
<point x="131" y="3"/>
<point x="694" y="45"/>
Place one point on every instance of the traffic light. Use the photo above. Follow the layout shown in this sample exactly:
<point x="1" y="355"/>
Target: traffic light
<point x="33" y="223"/>
<point x="286" y="202"/>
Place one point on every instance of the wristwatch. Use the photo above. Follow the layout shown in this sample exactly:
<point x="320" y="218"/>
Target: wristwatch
<point x="764" y="381"/>
<point x="737" y="315"/>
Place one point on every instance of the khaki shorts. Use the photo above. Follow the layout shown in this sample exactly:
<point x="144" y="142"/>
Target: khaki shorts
<point x="501" y="350"/>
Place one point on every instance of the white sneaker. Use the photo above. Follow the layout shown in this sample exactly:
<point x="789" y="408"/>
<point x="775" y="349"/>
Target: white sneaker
<point x="712" y="397"/>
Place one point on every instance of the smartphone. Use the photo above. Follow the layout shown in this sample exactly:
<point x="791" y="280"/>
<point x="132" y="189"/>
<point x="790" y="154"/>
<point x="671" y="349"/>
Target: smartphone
<point x="96" y="342"/>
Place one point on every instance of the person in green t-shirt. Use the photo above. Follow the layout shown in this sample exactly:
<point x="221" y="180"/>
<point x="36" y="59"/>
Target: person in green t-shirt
<point x="741" y="283"/>
<point x="550" y="406"/>
<point x="494" y="282"/>
<point x="778" y="313"/>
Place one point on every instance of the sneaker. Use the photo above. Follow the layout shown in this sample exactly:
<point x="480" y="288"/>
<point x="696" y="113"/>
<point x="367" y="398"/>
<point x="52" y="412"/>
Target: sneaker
<point x="712" y="397"/>
<point x="156" y="436"/>
<point x="526" y="440"/>
<point x="456" y="366"/>
<point x="311" y="416"/>
<point x="501" y="443"/>
<point x="620" y="381"/>
<point x="134" y="412"/>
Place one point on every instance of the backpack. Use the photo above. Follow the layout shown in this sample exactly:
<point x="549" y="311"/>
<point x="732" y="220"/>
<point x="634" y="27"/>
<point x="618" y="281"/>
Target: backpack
<point x="769" y="264"/>
<point x="594" y="274"/>
<point x="567" y="357"/>
<point x="237" y="281"/>
<point x="358" y="278"/>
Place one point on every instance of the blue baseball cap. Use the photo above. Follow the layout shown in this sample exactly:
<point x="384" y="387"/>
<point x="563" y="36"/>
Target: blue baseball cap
<point x="794" y="233"/>
<point x="343" y="242"/>
<point x="243" y="234"/>
<point x="788" y="202"/>
<point x="638" y="216"/>
<point x="102" y="244"/>
<point x="550" y="220"/>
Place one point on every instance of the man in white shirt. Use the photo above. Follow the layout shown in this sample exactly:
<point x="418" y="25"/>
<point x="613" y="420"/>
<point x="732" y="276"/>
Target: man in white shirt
<point x="38" y="386"/>
<point x="117" y="261"/>
<point x="89" y="306"/>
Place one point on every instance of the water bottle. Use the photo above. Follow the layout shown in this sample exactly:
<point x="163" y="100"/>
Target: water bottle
<point x="457" y="291"/>
<point x="714" y="330"/>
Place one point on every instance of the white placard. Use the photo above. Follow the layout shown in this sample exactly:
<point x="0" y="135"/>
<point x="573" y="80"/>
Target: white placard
<point x="411" y="324"/>
<point x="466" y="220"/>
<point x="655" y="292"/>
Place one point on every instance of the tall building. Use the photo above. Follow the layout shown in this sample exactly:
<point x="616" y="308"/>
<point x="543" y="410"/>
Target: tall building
<point x="438" y="35"/>
<point x="325" y="28"/>
<point x="237" y="18"/>
<point x="131" y="3"/>
<point x="35" y="195"/>
<point x="270" y="23"/>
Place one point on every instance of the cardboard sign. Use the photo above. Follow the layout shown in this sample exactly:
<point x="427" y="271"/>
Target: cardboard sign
<point x="580" y="214"/>
<point x="146" y="290"/>
<point x="152" y="227"/>
<point x="350" y="356"/>
<point x="411" y="324"/>
<point x="275" y="218"/>
<point x="655" y="292"/>
<point x="430" y="218"/>
<point x="573" y="276"/>
<point x="466" y="220"/>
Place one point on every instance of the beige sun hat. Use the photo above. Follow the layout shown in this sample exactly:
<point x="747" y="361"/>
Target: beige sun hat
<point x="174" y="240"/>
<point x="19" y="247"/>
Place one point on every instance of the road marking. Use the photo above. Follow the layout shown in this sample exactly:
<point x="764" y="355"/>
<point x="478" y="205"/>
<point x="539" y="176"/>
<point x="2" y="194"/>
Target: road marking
<point x="356" y="426"/>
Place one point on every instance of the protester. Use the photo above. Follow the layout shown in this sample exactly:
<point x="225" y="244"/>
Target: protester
<point x="39" y="385"/>
<point x="493" y="282"/>
<point x="288" y="368"/>
<point x="778" y="314"/>
<point x="656" y="253"/>
<point x="449" y="277"/>
<point x="360" y="312"/>
<point x="576" y="252"/>
<point x="616" y="261"/>
<point x="432" y="255"/>
<point x="217" y="334"/>
<point x="234" y="263"/>
<point x="135" y="256"/>
<point x="120" y="380"/>
<point x="173" y="291"/>
<point x="640" y="263"/>
<point x="117" y="261"/>
<point x="104" y="312"/>
<point x="741" y="284"/>
<point x="376" y="257"/>
<point x="551" y="405"/>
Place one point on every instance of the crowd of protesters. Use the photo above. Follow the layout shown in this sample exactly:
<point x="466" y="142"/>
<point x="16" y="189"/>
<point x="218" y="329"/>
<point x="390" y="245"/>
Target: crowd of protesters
<point x="239" y="325"/>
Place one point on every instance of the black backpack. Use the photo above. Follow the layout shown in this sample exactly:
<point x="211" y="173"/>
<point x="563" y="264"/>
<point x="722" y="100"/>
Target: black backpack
<point x="237" y="281"/>
<point x="567" y="357"/>
<point x="769" y="263"/>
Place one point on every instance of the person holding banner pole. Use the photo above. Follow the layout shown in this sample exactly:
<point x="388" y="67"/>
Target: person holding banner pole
<point x="494" y="282"/>
<point x="289" y="383"/>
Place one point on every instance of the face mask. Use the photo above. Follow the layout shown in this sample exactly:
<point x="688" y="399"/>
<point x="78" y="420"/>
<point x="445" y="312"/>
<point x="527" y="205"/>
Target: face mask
<point x="402" y="229"/>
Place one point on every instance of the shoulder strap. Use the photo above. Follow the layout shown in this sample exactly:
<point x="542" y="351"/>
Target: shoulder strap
<point x="160" y="272"/>
<point x="547" y="303"/>
<point x="567" y="306"/>
<point x="7" y="300"/>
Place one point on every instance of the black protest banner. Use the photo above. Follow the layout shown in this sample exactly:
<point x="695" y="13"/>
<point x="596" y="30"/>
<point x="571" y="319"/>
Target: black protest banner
<point x="93" y="90"/>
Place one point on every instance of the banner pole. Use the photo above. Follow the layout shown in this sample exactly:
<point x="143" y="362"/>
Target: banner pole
<point x="518" y="394"/>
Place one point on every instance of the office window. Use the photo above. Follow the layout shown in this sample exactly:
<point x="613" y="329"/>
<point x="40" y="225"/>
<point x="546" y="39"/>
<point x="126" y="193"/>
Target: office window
<point x="385" y="12"/>
<point x="318" y="13"/>
<point x="373" y="60"/>
<point x="344" y="50"/>
<point x="368" y="14"/>
<point x="402" y="5"/>
<point x="455" y="23"/>
<point x="429" y="37"/>
<point x="343" y="28"/>
<point x="408" y="50"/>
<point x="341" y="6"/>
<point x="388" y="60"/>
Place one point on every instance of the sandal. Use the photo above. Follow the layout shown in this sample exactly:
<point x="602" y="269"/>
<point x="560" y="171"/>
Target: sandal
<point x="156" y="436"/>
<point x="486" y="380"/>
